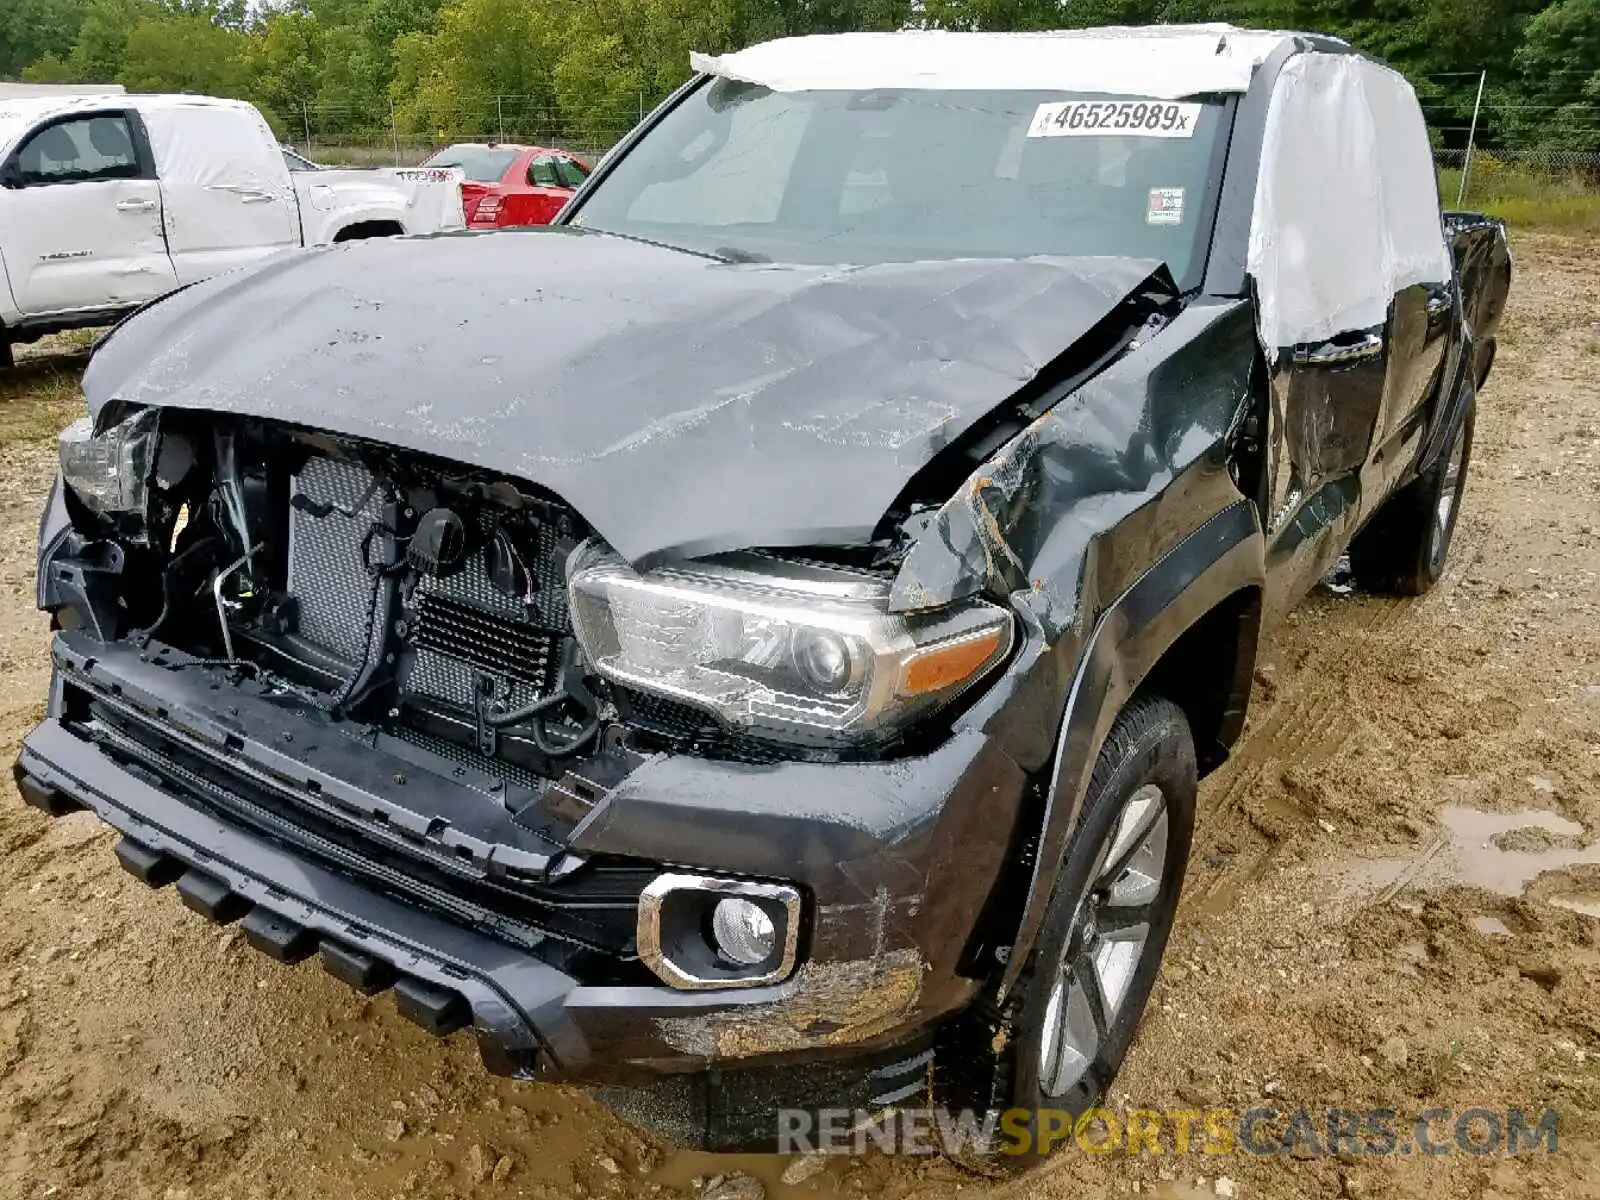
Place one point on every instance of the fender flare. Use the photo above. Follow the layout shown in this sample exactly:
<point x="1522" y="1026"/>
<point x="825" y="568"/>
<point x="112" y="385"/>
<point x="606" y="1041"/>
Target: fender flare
<point x="1452" y="411"/>
<point x="1222" y="557"/>
<point x="341" y="219"/>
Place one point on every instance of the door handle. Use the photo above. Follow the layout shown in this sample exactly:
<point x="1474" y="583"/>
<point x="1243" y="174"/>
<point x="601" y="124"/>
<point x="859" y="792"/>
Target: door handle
<point x="135" y="205"/>
<point x="256" y="197"/>
<point x="1338" y="354"/>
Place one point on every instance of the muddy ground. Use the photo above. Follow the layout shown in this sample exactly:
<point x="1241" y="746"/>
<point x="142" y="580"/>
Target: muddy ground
<point x="1393" y="902"/>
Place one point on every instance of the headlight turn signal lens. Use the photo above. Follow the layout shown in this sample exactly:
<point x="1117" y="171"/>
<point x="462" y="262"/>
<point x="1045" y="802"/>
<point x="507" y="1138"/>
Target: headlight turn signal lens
<point x="801" y="652"/>
<point x="935" y="668"/>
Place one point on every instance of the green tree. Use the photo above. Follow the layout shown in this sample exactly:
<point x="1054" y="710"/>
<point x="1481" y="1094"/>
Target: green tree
<point x="102" y="41"/>
<point x="230" y="14"/>
<point x="1560" y="50"/>
<point x="617" y="59"/>
<point x="1559" y="67"/>
<point x="285" y="64"/>
<point x="351" y="94"/>
<point x="456" y="81"/>
<point x="49" y="69"/>
<point x="31" y="30"/>
<point x="185" y="53"/>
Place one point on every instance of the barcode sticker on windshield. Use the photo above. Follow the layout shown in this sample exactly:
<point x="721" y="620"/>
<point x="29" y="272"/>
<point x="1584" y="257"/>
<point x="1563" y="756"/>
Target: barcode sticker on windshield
<point x="1114" y="118"/>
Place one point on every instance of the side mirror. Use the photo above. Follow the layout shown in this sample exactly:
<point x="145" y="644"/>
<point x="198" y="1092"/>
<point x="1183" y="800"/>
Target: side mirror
<point x="11" y="174"/>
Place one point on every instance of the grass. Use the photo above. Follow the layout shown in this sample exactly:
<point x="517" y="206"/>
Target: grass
<point x="40" y="397"/>
<point x="1526" y="199"/>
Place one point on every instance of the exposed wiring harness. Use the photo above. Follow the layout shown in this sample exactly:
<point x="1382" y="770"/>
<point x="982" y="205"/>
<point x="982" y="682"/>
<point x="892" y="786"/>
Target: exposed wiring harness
<point x="570" y="686"/>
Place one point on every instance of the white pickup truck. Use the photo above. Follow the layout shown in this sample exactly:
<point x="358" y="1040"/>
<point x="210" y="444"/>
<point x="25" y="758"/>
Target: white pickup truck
<point x="108" y="202"/>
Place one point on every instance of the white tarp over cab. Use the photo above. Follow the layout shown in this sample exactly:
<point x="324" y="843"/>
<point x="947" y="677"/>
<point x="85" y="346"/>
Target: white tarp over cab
<point x="1347" y="203"/>
<point x="207" y="143"/>
<point x="1160" y="61"/>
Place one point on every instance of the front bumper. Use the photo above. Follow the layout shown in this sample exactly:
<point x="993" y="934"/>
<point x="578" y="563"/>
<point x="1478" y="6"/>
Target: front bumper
<point x="852" y="1029"/>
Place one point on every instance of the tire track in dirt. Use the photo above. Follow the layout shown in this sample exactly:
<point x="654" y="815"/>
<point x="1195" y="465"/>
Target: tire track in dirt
<point x="1306" y="723"/>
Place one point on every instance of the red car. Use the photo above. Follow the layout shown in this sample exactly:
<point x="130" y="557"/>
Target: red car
<point x="512" y="185"/>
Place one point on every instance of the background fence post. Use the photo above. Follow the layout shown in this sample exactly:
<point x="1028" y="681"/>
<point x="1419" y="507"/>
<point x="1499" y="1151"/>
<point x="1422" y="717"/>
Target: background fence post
<point x="500" y="117"/>
<point x="394" y="131"/>
<point x="1472" y="133"/>
<point x="305" y="115"/>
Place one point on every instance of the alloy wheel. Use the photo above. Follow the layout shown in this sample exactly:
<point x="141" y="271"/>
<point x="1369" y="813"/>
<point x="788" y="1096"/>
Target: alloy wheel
<point x="1106" y="943"/>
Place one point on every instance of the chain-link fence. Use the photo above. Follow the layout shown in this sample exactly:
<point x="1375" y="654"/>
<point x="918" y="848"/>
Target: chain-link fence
<point x="1496" y="142"/>
<point x="1537" y="161"/>
<point x="1490" y="144"/>
<point x="340" y="135"/>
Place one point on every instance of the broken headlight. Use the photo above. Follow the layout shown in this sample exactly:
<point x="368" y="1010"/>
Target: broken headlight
<point x="799" y="652"/>
<point x="109" y="473"/>
<point x="112" y="476"/>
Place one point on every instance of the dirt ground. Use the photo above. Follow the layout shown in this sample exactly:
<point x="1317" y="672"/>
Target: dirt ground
<point x="1393" y="902"/>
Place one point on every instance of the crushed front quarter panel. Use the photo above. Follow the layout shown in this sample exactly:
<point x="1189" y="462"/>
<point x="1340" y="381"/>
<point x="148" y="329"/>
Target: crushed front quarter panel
<point x="1114" y="522"/>
<point x="1025" y="520"/>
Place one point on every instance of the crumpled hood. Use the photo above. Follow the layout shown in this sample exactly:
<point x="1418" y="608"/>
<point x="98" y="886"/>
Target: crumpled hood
<point x="681" y="404"/>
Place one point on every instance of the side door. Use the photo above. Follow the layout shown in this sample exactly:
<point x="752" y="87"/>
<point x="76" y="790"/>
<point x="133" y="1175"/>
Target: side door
<point x="81" y="216"/>
<point x="229" y="200"/>
<point x="1327" y="403"/>
<point x="1354" y="297"/>
<point x="572" y="173"/>
<point x="546" y="191"/>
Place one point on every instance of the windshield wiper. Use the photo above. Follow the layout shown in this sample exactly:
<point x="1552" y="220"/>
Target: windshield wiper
<point x="732" y="254"/>
<point x="633" y="237"/>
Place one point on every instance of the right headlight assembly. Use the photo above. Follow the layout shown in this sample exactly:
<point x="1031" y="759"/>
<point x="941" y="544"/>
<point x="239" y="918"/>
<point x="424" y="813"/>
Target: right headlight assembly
<point x="797" y="652"/>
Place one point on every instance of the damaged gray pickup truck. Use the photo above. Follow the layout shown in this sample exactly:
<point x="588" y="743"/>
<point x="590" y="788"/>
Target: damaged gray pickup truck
<point x="753" y="645"/>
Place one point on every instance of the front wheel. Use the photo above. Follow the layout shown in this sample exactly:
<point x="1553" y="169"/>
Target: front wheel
<point x="1080" y="998"/>
<point x="1402" y="550"/>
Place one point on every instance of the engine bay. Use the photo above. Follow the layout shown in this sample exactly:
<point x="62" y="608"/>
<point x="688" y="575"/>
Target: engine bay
<point x="371" y="585"/>
<point x="479" y="621"/>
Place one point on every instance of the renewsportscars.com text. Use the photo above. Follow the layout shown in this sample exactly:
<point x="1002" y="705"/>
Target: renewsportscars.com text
<point x="1300" y="1132"/>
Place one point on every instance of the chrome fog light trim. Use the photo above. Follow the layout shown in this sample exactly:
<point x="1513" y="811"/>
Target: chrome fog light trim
<point x="675" y="941"/>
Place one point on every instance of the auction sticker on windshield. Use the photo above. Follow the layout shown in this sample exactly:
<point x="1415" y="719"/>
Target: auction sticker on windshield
<point x="1114" y="118"/>
<point x="1166" y="206"/>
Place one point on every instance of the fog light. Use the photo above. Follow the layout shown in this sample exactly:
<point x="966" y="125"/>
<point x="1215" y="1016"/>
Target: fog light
<point x="744" y="934"/>
<point x="699" y="931"/>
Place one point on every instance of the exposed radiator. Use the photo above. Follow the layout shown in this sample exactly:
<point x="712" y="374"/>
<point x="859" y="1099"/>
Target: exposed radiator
<point x="467" y="627"/>
<point x="464" y="627"/>
<point x="326" y="575"/>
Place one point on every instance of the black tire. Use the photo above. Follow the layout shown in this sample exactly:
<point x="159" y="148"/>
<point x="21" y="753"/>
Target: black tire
<point x="1403" y="548"/>
<point x="1150" y="744"/>
<point x="6" y="360"/>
